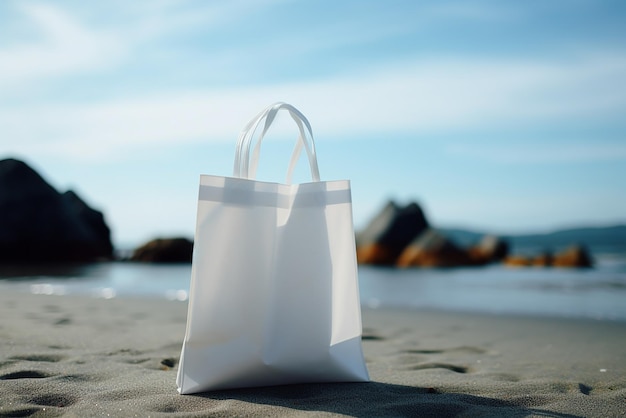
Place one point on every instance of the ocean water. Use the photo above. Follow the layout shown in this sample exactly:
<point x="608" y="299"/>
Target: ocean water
<point x="596" y="293"/>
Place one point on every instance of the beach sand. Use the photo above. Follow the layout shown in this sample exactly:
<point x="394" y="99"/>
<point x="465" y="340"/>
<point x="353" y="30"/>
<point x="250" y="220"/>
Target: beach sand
<point x="80" y="356"/>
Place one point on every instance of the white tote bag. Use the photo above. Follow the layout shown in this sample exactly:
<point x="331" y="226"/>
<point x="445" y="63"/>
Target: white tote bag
<point x="274" y="291"/>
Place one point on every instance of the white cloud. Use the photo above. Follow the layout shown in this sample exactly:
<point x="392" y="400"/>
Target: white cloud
<point x="67" y="41"/>
<point x="419" y="97"/>
<point x="63" y="46"/>
<point x="414" y="96"/>
<point x="150" y="20"/>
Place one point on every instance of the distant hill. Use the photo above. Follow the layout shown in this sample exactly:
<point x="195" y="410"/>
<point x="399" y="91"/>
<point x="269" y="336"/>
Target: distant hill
<point x="597" y="239"/>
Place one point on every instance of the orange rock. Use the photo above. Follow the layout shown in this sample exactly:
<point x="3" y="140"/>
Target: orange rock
<point x="517" y="261"/>
<point x="389" y="232"/>
<point x="432" y="249"/>
<point x="376" y="254"/>
<point x="574" y="256"/>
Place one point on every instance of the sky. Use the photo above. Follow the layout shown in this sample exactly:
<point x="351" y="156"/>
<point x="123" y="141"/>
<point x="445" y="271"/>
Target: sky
<point x="503" y="117"/>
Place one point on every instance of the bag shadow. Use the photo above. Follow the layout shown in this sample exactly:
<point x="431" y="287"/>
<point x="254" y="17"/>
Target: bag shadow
<point x="377" y="399"/>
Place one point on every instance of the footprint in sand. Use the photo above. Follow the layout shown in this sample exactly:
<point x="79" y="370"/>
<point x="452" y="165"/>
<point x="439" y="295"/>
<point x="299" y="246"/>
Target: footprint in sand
<point x="370" y="335"/>
<point x="30" y="374"/>
<point x="58" y="400"/>
<point x="130" y="356"/>
<point x="25" y="374"/>
<point x="447" y="366"/>
<point x="20" y="412"/>
<point x="63" y="321"/>
<point x="51" y="358"/>
<point x="430" y="358"/>
<point x="462" y="349"/>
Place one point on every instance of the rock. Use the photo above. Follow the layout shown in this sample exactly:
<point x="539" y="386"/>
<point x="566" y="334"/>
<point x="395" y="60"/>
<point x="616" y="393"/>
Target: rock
<point x="165" y="250"/>
<point x="488" y="250"/>
<point x="433" y="249"/>
<point x="517" y="261"/>
<point x="38" y="224"/>
<point x="388" y="234"/>
<point x="574" y="256"/>
<point x="544" y="259"/>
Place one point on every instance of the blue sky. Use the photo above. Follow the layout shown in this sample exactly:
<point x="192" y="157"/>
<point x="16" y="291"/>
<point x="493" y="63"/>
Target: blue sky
<point x="499" y="116"/>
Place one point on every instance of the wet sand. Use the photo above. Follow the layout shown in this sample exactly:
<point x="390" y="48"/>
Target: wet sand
<point x="80" y="356"/>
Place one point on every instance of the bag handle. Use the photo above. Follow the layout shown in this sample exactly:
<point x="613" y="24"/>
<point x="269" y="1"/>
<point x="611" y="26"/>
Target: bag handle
<point x="246" y="168"/>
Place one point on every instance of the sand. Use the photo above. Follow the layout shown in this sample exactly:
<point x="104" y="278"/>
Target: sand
<point x="82" y="357"/>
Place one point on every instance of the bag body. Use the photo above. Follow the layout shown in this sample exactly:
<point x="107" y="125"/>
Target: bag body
<point x="274" y="288"/>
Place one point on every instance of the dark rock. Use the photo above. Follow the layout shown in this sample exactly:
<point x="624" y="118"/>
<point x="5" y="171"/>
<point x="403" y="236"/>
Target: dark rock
<point x="165" y="250"/>
<point x="37" y="224"/>
<point x="168" y="363"/>
<point x="388" y="234"/>
<point x="433" y="249"/>
<point x="574" y="256"/>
